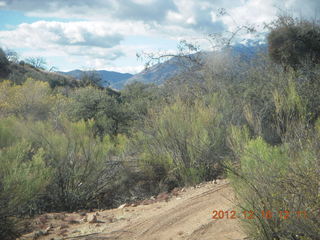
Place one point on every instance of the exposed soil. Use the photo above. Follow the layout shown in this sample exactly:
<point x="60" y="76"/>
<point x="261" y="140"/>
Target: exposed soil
<point x="185" y="214"/>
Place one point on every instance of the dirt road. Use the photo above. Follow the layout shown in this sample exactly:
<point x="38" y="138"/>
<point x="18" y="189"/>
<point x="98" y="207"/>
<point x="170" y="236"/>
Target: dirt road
<point x="185" y="216"/>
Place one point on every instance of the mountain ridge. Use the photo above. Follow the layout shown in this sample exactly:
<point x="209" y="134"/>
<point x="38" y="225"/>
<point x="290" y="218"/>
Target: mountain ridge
<point x="160" y="72"/>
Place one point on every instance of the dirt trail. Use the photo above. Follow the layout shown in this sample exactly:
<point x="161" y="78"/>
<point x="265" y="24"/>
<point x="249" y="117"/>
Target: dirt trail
<point x="186" y="216"/>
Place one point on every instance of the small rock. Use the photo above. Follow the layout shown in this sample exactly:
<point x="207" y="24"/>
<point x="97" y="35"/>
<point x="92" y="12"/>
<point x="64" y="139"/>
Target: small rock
<point x="48" y="229"/>
<point x="122" y="206"/>
<point x="95" y="220"/>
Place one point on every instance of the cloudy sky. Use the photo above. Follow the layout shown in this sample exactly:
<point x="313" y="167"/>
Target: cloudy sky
<point x="107" y="34"/>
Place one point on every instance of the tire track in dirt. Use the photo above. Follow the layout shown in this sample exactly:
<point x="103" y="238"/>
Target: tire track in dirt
<point x="187" y="216"/>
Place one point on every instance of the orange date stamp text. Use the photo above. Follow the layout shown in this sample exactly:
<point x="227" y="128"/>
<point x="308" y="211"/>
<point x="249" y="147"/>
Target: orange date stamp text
<point x="249" y="214"/>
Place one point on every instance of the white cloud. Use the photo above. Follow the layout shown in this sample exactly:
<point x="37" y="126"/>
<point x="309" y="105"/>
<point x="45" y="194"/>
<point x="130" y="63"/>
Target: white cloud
<point x="98" y="38"/>
<point x="143" y="2"/>
<point x="42" y="33"/>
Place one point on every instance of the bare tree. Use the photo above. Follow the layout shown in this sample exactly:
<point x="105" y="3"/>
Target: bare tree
<point x="37" y="62"/>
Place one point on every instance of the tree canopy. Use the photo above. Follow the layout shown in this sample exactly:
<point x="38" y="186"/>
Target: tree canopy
<point x="294" y="42"/>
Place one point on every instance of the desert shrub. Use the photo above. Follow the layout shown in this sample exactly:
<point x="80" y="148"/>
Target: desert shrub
<point x="138" y="98"/>
<point x="308" y="85"/>
<point x="182" y="142"/>
<point x="290" y="111"/>
<point x="83" y="165"/>
<point x="282" y="179"/>
<point x="294" y="42"/>
<point x="91" y="78"/>
<point x="23" y="175"/>
<point x="107" y="111"/>
<point x="276" y="179"/>
<point x="29" y="100"/>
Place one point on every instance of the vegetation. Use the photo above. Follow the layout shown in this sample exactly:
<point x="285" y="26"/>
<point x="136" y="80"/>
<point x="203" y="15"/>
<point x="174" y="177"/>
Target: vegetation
<point x="37" y="62"/>
<point x="23" y="176"/>
<point x="67" y="145"/>
<point x="294" y="42"/>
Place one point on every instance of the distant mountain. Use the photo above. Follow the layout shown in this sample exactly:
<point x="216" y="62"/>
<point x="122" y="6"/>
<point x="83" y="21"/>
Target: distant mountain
<point x="159" y="73"/>
<point x="112" y="79"/>
<point x="175" y="66"/>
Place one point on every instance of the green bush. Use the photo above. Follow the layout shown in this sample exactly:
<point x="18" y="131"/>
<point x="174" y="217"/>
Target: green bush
<point x="183" y="142"/>
<point x="279" y="178"/>
<point x="4" y="64"/>
<point x="83" y="165"/>
<point x="23" y="175"/>
<point x="282" y="177"/>
<point x="30" y="100"/>
<point x="109" y="114"/>
<point x="294" y="43"/>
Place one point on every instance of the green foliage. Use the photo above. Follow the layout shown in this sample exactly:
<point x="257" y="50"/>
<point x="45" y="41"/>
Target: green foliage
<point x="294" y="43"/>
<point x="109" y="114"/>
<point x="90" y="78"/>
<point x="4" y="63"/>
<point x="82" y="164"/>
<point x="187" y="139"/>
<point x="3" y="58"/>
<point x="237" y="140"/>
<point x="31" y="99"/>
<point x="139" y="98"/>
<point x="279" y="178"/>
<point x="23" y="175"/>
<point x="66" y="146"/>
<point x="290" y="110"/>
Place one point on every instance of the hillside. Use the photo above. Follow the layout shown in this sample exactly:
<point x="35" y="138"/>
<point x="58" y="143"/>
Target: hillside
<point x="112" y="79"/>
<point x="187" y="214"/>
<point x="20" y="72"/>
<point x="161" y="72"/>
